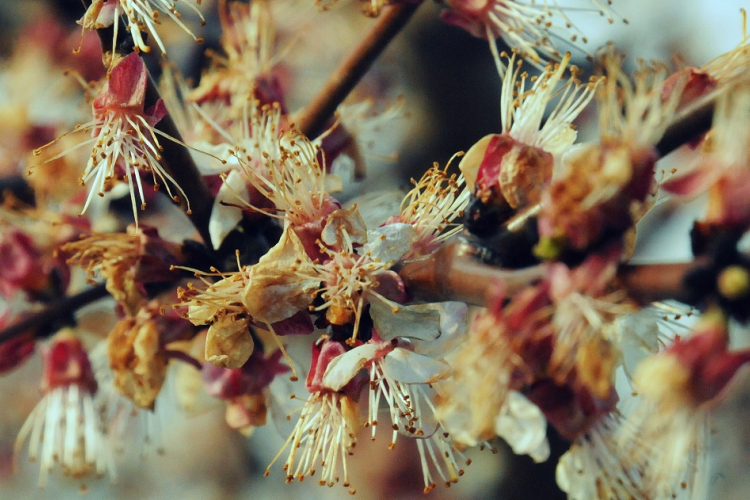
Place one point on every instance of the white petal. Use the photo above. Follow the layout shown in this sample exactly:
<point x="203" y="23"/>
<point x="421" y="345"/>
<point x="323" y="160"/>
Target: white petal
<point x="388" y="243"/>
<point x="343" y="368"/>
<point x="409" y="367"/>
<point x="378" y="206"/>
<point x="207" y="163"/>
<point x="637" y="337"/>
<point x="392" y="320"/>
<point x="225" y="218"/>
<point x="522" y="425"/>
<point x="454" y="323"/>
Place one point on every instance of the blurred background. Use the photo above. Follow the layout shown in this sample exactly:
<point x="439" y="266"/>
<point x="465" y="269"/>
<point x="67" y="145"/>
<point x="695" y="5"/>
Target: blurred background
<point x="451" y="91"/>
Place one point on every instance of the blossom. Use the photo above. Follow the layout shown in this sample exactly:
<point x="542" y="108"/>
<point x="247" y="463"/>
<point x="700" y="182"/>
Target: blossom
<point x="246" y="69"/>
<point x="679" y="387"/>
<point x="64" y="428"/>
<point x="243" y="151"/>
<point x="295" y="181"/>
<point x="244" y="389"/>
<point x="127" y="261"/>
<point x="402" y="361"/>
<point x="525" y="25"/>
<point x="431" y="207"/>
<point x="137" y="353"/>
<point x="723" y="169"/>
<point x="142" y="15"/>
<point x="267" y="293"/>
<point x="123" y="136"/>
<point x="326" y="431"/>
<point x="594" y="468"/>
<point x="597" y="187"/>
<point x="482" y="398"/>
<point x="520" y="160"/>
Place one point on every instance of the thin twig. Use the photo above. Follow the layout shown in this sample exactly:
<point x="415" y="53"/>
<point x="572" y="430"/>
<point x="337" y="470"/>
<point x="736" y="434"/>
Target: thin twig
<point x="53" y="312"/>
<point x="688" y="125"/>
<point x="452" y="273"/>
<point x="312" y="120"/>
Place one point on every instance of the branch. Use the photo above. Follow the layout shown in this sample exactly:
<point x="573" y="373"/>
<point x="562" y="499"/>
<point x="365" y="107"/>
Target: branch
<point x="312" y="120"/>
<point x="452" y="273"/>
<point x="688" y="125"/>
<point x="53" y="312"/>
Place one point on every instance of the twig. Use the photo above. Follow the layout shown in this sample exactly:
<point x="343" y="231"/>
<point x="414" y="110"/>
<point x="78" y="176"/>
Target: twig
<point x="452" y="273"/>
<point x="46" y="317"/>
<point x="688" y="125"/>
<point x="312" y="120"/>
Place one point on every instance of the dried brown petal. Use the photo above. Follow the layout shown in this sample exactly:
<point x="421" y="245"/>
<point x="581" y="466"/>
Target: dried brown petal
<point x="137" y="360"/>
<point x="229" y="343"/>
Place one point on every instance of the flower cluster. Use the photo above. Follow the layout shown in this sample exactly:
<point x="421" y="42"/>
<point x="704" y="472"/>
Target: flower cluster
<point x="493" y="301"/>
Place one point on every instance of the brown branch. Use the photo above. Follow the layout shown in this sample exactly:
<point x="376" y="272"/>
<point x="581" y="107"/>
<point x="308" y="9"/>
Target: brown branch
<point x="53" y="312"/>
<point x="452" y="273"/>
<point x="688" y="125"/>
<point x="312" y="120"/>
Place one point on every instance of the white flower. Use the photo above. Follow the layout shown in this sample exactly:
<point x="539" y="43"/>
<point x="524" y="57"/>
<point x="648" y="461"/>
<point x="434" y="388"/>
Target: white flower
<point x="594" y="467"/>
<point x="401" y="371"/>
<point x="142" y="15"/>
<point x="326" y="432"/>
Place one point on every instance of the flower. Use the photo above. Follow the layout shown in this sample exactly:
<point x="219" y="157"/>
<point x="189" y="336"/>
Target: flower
<point x="598" y="187"/>
<point x="520" y="160"/>
<point x="248" y="145"/>
<point x="244" y="389"/>
<point x="142" y="15"/>
<point x="431" y="207"/>
<point x="247" y="68"/>
<point x="594" y="467"/>
<point x="723" y="169"/>
<point x="137" y="355"/>
<point x="64" y="428"/>
<point x="679" y="387"/>
<point x="402" y="363"/>
<point x="123" y="136"/>
<point x="267" y="293"/>
<point x="127" y="261"/>
<point x="326" y="430"/>
<point x="525" y="25"/>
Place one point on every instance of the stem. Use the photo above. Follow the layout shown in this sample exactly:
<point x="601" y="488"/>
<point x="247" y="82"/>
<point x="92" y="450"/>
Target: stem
<point x="47" y="317"/>
<point x="452" y="273"/>
<point x="688" y="125"/>
<point x="312" y="120"/>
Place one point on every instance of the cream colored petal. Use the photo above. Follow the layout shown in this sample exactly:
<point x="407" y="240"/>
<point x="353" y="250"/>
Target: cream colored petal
<point x="472" y="160"/>
<point x="229" y="343"/>
<point x="275" y="291"/>
<point x="522" y="425"/>
<point x="390" y="242"/>
<point x="392" y="320"/>
<point x="224" y="217"/>
<point x="344" y="220"/>
<point x="409" y="367"/>
<point x="343" y="368"/>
